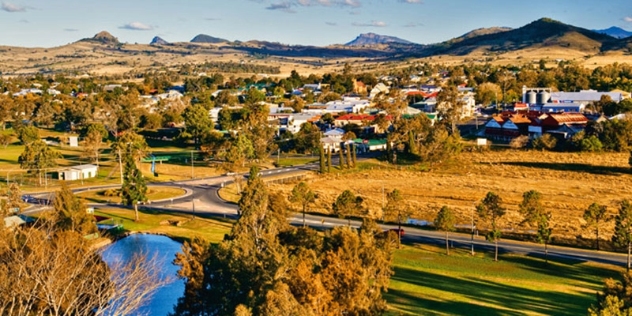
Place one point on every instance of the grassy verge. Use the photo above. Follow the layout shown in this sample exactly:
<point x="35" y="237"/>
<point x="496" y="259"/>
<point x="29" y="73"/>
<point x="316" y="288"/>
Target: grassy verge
<point x="174" y="225"/>
<point x="427" y="282"/>
<point x="293" y="161"/>
<point x="153" y="194"/>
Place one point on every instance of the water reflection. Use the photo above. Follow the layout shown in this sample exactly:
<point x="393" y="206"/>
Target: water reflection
<point x="165" y="249"/>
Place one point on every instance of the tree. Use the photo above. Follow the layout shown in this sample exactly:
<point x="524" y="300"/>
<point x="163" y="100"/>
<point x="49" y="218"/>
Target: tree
<point x="347" y="204"/>
<point x="6" y="140"/>
<point x="13" y="201"/>
<point x="490" y="210"/>
<point x="544" y="232"/>
<point x="531" y="206"/>
<point x="321" y="152"/>
<point x="533" y="212"/>
<point x="134" y="189"/>
<point x="329" y="163"/>
<point x="197" y="122"/>
<point x="62" y="273"/>
<point x="37" y="157"/>
<point x="595" y="216"/>
<point x="267" y="267"/>
<point x="615" y="298"/>
<point x="394" y="210"/>
<point x="132" y="144"/>
<point x="623" y="228"/>
<point x="93" y="142"/>
<point x="445" y="222"/>
<point x="341" y="159"/>
<point x="450" y="107"/>
<point x="303" y="196"/>
<point x="27" y="134"/>
<point x="487" y="92"/>
<point x="348" y="155"/>
<point x="545" y="141"/>
<point x="70" y="212"/>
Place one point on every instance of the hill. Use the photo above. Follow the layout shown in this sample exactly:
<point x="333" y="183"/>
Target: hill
<point x="483" y="31"/>
<point x="540" y="33"/>
<point x="615" y="32"/>
<point x="203" y="38"/>
<point x="376" y="39"/>
<point x="102" y="37"/>
<point x="158" y="41"/>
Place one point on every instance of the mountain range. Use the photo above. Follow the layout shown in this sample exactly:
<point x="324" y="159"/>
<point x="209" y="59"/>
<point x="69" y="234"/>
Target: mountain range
<point x="541" y="39"/>
<point x="544" y="32"/>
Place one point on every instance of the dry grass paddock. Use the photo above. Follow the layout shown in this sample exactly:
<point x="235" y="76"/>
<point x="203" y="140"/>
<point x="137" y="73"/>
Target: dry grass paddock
<point x="569" y="183"/>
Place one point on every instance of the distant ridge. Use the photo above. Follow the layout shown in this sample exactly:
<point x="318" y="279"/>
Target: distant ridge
<point x="158" y="41"/>
<point x="203" y="38"/>
<point x="540" y="33"/>
<point x="102" y="37"/>
<point x="615" y="32"/>
<point x="484" y="31"/>
<point x="376" y="39"/>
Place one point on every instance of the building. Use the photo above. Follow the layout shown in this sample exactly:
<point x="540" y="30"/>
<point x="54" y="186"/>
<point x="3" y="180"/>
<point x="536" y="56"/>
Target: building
<point x="78" y="173"/>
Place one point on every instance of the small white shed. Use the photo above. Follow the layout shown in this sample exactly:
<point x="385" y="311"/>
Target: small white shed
<point x="78" y="172"/>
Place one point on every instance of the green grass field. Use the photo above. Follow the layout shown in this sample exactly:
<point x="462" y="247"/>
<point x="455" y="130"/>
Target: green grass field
<point x="155" y="222"/>
<point x="427" y="282"/>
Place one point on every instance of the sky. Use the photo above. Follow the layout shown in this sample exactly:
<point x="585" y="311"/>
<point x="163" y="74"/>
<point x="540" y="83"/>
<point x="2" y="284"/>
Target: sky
<point x="49" y="23"/>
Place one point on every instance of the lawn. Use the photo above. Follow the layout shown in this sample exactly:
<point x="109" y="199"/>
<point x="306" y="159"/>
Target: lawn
<point x="153" y="194"/>
<point x="427" y="282"/>
<point x="175" y="225"/>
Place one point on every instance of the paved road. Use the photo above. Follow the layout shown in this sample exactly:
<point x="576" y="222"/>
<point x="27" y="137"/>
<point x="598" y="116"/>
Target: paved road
<point x="202" y="199"/>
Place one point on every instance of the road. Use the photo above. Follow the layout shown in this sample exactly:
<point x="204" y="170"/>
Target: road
<point x="202" y="199"/>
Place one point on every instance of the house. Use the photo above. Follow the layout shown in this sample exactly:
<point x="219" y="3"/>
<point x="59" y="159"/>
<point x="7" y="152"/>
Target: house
<point x="78" y="172"/>
<point x="366" y="145"/>
<point x="347" y="104"/>
<point x="335" y="133"/>
<point x="555" y="121"/>
<point x="330" y="144"/>
<point x="379" y="88"/>
<point x="358" y="119"/>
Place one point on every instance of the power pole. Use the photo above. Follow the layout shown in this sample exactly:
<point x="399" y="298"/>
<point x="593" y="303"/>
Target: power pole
<point x="120" y="164"/>
<point x="192" y="171"/>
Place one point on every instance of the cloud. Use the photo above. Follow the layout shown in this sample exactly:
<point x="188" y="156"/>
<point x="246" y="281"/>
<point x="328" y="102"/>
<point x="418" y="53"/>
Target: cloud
<point x="71" y="30"/>
<point x="212" y="19"/>
<point x="372" y="23"/>
<point x="288" y="5"/>
<point x="11" y="7"/>
<point x="331" y="23"/>
<point x="628" y="19"/>
<point x="136" y="26"/>
<point x="412" y="1"/>
<point x="283" y="6"/>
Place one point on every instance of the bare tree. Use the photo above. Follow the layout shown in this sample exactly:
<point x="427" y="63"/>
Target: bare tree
<point x="48" y="272"/>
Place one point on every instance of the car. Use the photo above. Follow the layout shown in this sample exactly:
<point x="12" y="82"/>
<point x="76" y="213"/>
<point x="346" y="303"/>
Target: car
<point x="28" y="198"/>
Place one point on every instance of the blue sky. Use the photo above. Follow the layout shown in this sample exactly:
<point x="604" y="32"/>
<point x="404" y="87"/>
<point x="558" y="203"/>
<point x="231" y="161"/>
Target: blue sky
<point x="48" y="23"/>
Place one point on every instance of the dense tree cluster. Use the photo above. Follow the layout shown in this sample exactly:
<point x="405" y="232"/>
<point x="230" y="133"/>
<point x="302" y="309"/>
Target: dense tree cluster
<point x="266" y="267"/>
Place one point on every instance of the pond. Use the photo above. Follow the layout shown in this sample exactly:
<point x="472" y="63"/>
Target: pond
<point x="165" y="249"/>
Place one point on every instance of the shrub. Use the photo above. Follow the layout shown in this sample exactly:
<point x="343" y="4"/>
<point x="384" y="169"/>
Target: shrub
<point x="546" y="141"/>
<point x="519" y="142"/>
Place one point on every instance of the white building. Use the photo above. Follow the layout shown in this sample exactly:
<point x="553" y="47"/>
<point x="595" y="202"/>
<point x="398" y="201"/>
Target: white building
<point x="78" y="173"/>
